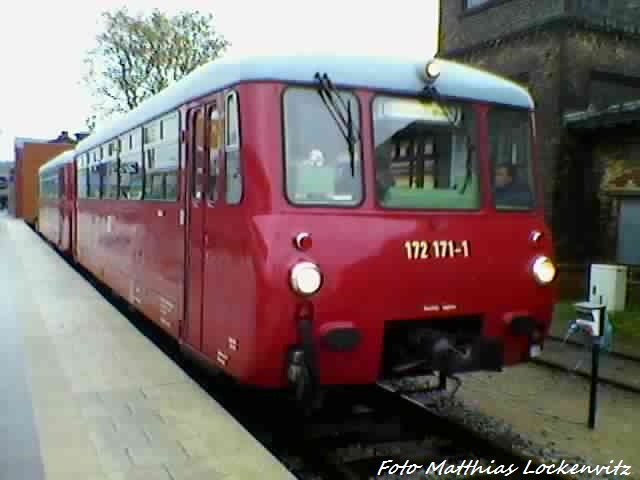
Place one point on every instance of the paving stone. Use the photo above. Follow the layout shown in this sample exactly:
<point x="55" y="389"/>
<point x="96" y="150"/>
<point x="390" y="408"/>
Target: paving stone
<point x="157" y="454"/>
<point x="114" y="458"/>
<point x="196" y="469"/>
<point x="107" y="403"/>
<point x="142" y="473"/>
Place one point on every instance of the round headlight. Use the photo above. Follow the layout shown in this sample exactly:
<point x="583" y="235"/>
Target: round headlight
<point x="544" y="270"/>
<point x="433" y="69"/>
<point x="306" y="278"/>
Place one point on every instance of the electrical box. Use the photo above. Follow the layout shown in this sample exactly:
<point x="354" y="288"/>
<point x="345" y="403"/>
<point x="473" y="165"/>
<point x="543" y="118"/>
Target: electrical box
<point x="588" y="316"/>
<point x="608" y="286"/>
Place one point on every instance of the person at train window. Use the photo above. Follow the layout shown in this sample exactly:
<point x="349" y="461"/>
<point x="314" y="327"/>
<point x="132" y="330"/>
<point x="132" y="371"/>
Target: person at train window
<point x="307" y="174"/>
<point x="508" y="190"/>
<point x="315" y="158"/>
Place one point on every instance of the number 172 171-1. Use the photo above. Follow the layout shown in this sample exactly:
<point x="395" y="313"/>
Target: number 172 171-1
<point x="422" y="249"/>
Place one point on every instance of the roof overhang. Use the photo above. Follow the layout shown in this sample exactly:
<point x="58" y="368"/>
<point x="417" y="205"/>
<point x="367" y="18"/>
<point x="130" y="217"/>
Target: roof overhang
<point x="620" y="115"/>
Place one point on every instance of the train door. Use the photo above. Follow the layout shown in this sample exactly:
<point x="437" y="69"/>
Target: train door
<point x="213" y="328"/>
<point x="196" y="169"/>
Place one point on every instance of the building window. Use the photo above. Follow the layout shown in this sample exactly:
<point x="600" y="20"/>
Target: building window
<point x="468" y="4"/>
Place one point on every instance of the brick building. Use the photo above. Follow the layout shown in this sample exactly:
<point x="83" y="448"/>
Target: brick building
<point x="577" y="57"/>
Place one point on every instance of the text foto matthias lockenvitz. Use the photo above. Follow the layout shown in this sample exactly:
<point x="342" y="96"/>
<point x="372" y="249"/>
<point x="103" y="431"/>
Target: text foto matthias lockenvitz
<point x="472" y="467"/>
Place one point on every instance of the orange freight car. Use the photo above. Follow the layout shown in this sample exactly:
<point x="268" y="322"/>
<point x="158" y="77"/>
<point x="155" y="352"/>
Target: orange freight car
<point x="30" y="155"/>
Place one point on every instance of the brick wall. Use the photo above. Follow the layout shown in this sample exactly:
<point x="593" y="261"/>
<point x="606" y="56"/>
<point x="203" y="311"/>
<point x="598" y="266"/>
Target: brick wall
<point x="537" y="57"/>
<point x="466" y="28"/>
<point x="575" y="53"/>
<point x="606" y="53"/>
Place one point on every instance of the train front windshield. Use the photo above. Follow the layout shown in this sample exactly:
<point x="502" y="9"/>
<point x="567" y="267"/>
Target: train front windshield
<point x="425" y="154"/>
<point x="319" y="167"/>
<point x="510" y="159"/>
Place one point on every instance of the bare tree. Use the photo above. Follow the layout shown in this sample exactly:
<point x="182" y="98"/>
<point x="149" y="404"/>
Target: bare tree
<point x="138" y="56"/>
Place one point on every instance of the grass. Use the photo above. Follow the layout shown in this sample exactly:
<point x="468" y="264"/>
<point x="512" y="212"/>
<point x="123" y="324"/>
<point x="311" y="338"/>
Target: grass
<point x="627" y="323"/>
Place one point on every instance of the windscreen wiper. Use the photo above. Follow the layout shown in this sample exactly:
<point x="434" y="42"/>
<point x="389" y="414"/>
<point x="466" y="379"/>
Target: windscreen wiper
<point x="431" y="91"/>
<point x="328" y="93"/>
<point x="469" y="168"/>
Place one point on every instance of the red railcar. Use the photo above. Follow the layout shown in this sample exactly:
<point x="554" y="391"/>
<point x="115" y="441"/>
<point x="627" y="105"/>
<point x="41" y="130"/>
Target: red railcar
<point x="306" y="222"/>
<point x="56" y="201"/>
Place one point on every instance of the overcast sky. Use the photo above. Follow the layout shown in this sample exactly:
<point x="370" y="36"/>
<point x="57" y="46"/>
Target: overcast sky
<point x="43" y="44"/>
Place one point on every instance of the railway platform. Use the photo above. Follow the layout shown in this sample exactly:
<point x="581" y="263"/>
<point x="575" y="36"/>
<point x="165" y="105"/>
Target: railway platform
<point x="85" y="396"/>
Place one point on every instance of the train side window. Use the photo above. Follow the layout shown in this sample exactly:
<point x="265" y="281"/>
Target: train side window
<point x="43" y="187"/>
<point x="94" y="177"/>
<point x="169" y="156"/>
<point x="171" y="186"/>
<point x="215" y="145"/>
<point x="162" y="159"/>
<point x="82" y="177"/>
<point x="233" y="165"/>
<point x="60" y="179"/>
<point x="102" y="172"/>
<point x="110" y="173"/>
<point x="88" y="170"/>
<point x="131" y="170"/>
<point x="110" y="178"/>
<point x="48" y="185"/>
<point x="154" y="186"/>
<point x="197" y="157"/>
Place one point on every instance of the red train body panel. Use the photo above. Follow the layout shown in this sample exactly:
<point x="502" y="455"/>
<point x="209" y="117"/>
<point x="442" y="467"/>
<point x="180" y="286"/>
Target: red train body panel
<point x="211" y="261"/>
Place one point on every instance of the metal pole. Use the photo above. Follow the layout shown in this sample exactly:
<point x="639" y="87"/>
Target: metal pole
<point x="593" y="398"/>
<point x="595" y="363"/>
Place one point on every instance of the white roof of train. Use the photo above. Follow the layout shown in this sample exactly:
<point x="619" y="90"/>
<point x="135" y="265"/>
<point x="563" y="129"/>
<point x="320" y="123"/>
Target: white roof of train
<point x="392" y="75"/>
<point x="60" y="159"/>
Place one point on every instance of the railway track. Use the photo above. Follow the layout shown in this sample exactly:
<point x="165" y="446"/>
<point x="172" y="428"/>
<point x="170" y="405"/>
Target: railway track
<point x="388" y="428"/>
<point x="575" y="358"/>
<point x="611" y="353"/>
